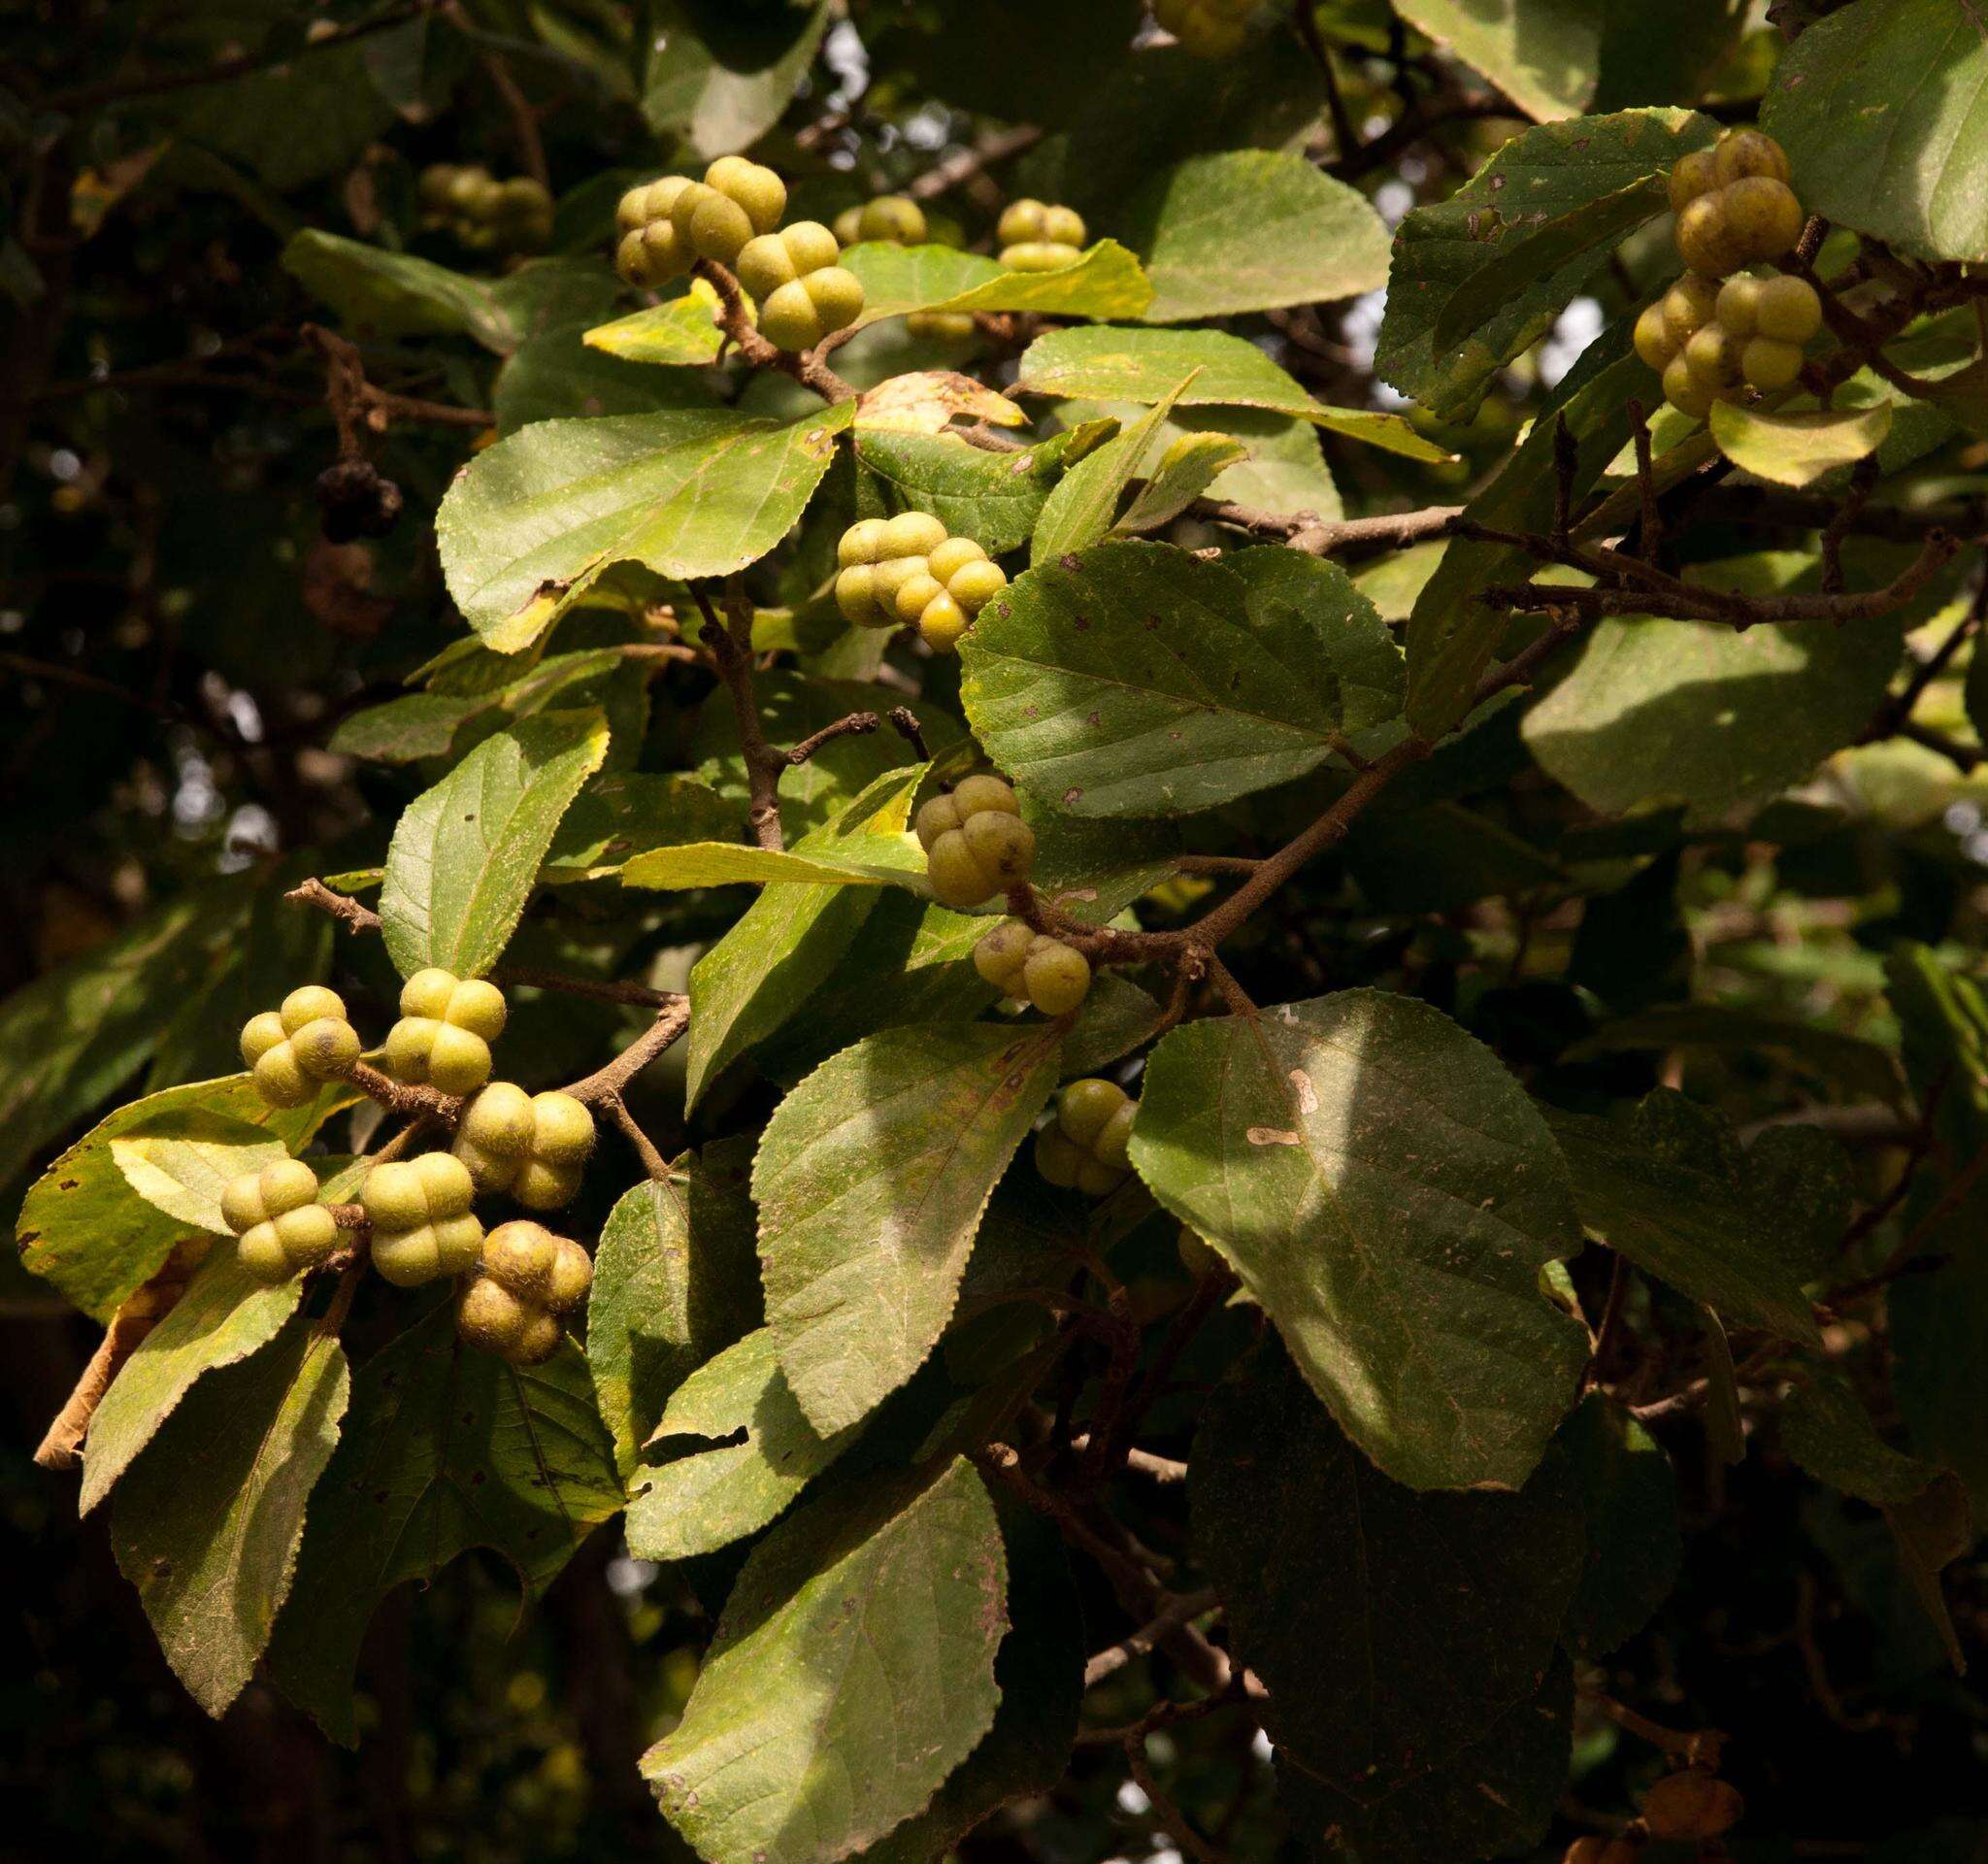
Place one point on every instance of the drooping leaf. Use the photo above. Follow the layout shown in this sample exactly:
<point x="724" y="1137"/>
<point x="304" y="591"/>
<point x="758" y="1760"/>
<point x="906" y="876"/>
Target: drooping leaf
<point x="852" y="1672"/>
<point x="1682" y="1223"/>
<point x="1116" y="364"/>
<point x="530" y="524"/>
<point x="396" y="294"/>
<point x="1714" y="715"/>
<point x="1634" y="1544"/>
<point x="1878" y="107"/>
<point x="1181" y="475"/>
<point x="993" y="498"/>
<point x="445" y="1450"/>
<point x="676" y="1280"/>
<point x="206" y="1524"/>
<point x="1396" y="1632"/>
<point x="466" y="853"/>
<point x="731" y="1452"/>
<point x="682" y="331"/>
<point x="1136" y="680"/>
<point x="1798" y="448"/>
<point x="1081" y="511"/>
<point x="870" y="1182"/>
<point x="1252" y="230"/>
<point x="1544" y="54"/>
<point x="84" y="1228"/>
<point x="224" y="1317"/>
<point x="1388" y="1194"/>
<point x="1107" y="281"/>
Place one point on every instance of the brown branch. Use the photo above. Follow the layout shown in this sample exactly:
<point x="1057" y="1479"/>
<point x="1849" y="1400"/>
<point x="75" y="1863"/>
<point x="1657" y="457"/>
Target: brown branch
<point x="975" y="160"/>
<point x="807" y="367"/>
<point x="1346" y="138"/>
<point x="401" y="1097"/>
<point x="1165" y="1811"/>
<point x="730" y="645"/>
<point x="61" y="1448"/>
<point x="858" y="724"/>
<point x="1695" y="1746"/>
<point x="652" y="1161"/>
<point x="1652" y="526"/>
<point x="1321" y="537"/>
<point x="524" y="122"/>
<point x="1863" y="482"/>
<point x="342" y="907"/>
<point x="605" y="1084"/>
<point x="1180" y="1608"/>
<point x="904" y="722"/>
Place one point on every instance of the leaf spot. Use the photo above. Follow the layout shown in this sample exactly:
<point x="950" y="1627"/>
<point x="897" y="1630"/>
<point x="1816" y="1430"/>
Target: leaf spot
<point x="1308" y="1096"/>
<point x="1271" y="1136"/>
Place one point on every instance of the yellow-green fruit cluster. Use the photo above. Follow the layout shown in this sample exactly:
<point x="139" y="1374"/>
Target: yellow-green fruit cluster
<point x="1207" y="28"/>
<point x="665" y="226"/>
<point x="484" y="213"/>
<point x="1713" y="342"/>
<point x="1035" y="236"/>
<point x="533" y="1146"/>
<point x="896" y="220"/>
<point x="803" y="292"/>
<point x="422" y="1226"/>
<point x="291" y="1049"/>
<point x="977" y="844"/>
<point x="1084" y="1148"/>
<point x="1733" y="205"/>
<point x="1033" y="967"/>
<point x="445" y="1032"/>
<point x="279" y="1224"/>
<point x="527" y="1280"/>
<point x="905" y="571"/>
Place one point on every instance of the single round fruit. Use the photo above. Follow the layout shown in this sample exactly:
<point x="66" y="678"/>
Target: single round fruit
<point x="913" y="534"/>
<point x="326" y="1048"/>
<point x="1705" y="240"/>
<point x="519" y="1256"/>
<point x="394" y="1198"/>
<point x="562" y="1129"/>
<point x="1685" y="392"/>
<point x="1770" y="364"/>
<point x="1059" y="1160"/>
<point x="1739" y="304"/>
<point x="308" y="1236"/>
<point x="1692" y="1805"/>
<point x="1788" y="309"/>
<point x="1084" y="1107"/>
<point x="1654" y="343"/>
<point x="1744" y="152"/>
<point x="1691" y="175"/>
<point x="950" y="326"/>
<point x="1689" y="305"/>
<point x="572" y="1277"/>
<point x="312" y="1003"/>
<point x="754" y="188"/>
<point x="1762" y="218"/>
<point x="1712" y="355"/>
<point x="491" y="1317"/>
<point x="499" y="1120"/>
<point x="1055" y="976"/>
<point x="1000" y="955"/>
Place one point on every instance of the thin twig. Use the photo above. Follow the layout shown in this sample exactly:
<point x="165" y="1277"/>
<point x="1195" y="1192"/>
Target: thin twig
<point x="858" y="724"/>
<point x="1181" y="1609"/>
<point x="606" y="1084"/>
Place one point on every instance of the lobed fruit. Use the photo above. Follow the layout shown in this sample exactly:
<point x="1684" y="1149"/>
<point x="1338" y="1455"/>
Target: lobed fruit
<point x="422" y="1225"/>
<point x="1732" y="204"/>
<point x="976" y="846"/>
<point x="906" y="570"/>
<point x="445" y="1032"/>
<point x="294" y="1047"/>
<point x="895" y="219"/>
<point x="484" y="213"/>
<point x="666" y="225"/>
<point x="1713" y="342"/>
<point x="533" y="1146"/>
<point x="1207" y="28"/>
<point x="803" y="294"/>
<point x="1084" y="1148"/>
<point x="950" y="325"/>
<point x="1037" y="237"/>
<point x="527" y="1279"/>
<point x="1691" y="1805"/>
<point x="1033" y="967"/>
<point x="279" y="1224"/>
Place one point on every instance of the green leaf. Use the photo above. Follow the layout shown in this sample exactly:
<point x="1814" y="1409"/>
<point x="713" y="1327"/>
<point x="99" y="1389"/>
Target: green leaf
<point x="1544" y="54"/>
<point x="1252" y="229"/>
<point x="870" y="1180"/>
<point x="224" y="1317"/>
<point x="84" y="1228"/>
<point x="621" y="814"/>
<point x="738" y="1453"/>
<point x="1115" y="363"/>
<point x="993" y="498"/>
<point x="308" y="117"/>
<point x="723" y="104"/>
<point x="466" y="853"/>
<point x="1798" y="448"/>
<point x="395" y="294"/>
<point x="530" y="524"/>
<point x="554" y="376"/>
<point x="1635" y="1543"/>
<point x="1848" y="1064"/>
<point x="1536" y="252"/>
<point x="1138" y="680"/>
<point x="1389" y="1195"/>
<point x="852" y="1672"/>
<point x="775" y="954"/>
<point x="445" y="1450"/>
<point x="1453" y="632"/>
<point x="1942" y="1016"/>
<point x="1117" y="1016"/>
<point x="1107" y="281"/>
<point x="1081" y="511"/>
<point x="1182" y="474"/>
<point x="1715" y="717"/>
<point x="1880" y="109"/>
<point x="676" y="1280"/>
<point x="857" y="860"/>
<point x="75" y="1033"/>
<point x="681" y="331"/>
<point x="205" y="1526"/>
<point x="429" y="724"/>
<point x="1937" y="1322"/>
<point x="1682" y="1223"/>
<point x="1038" y="1670"/>
<point x="1396" y="1632"/>
<point x="181" y="1165"/>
